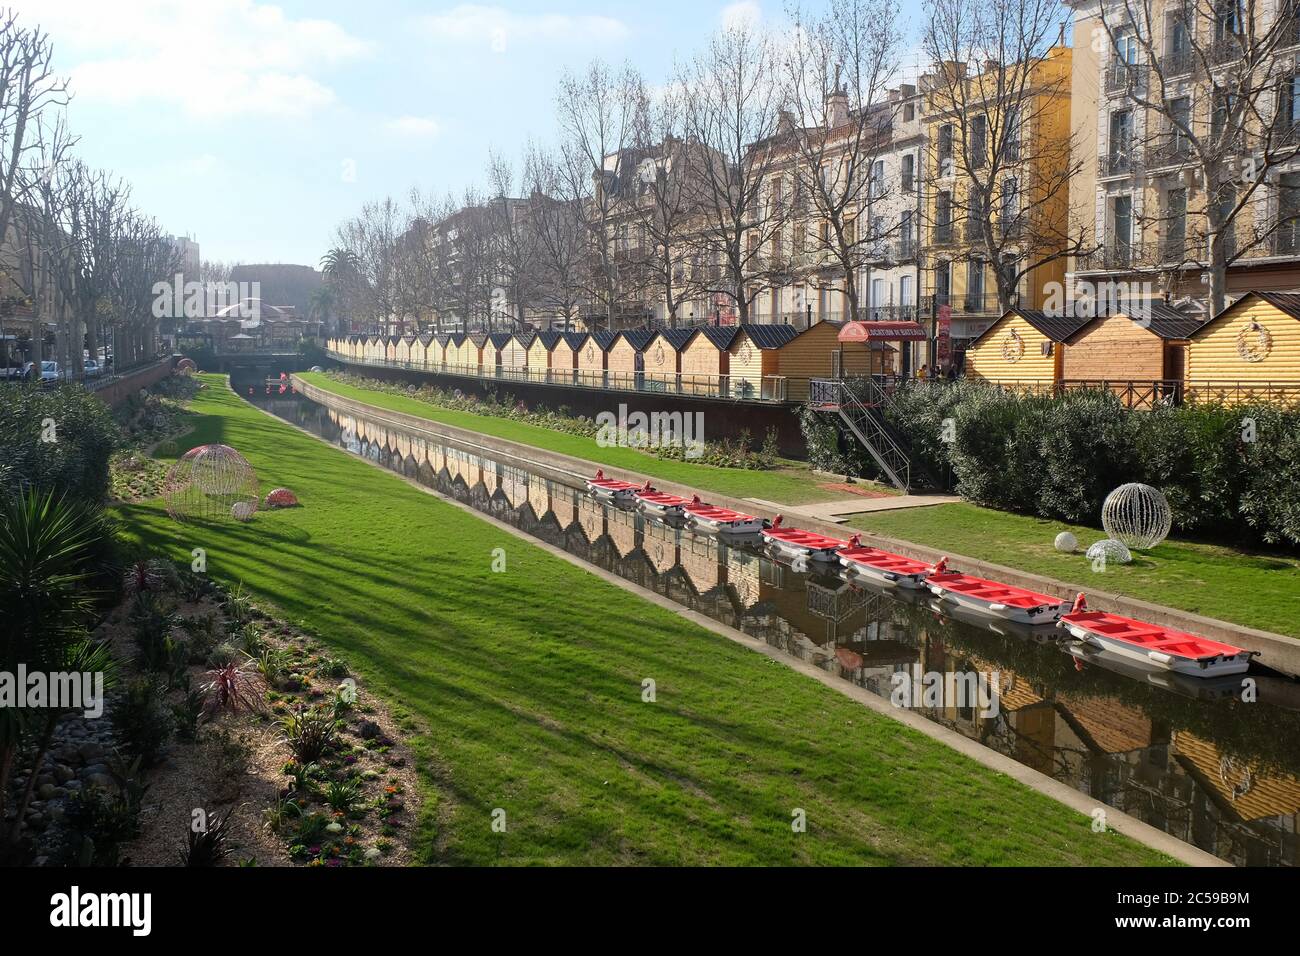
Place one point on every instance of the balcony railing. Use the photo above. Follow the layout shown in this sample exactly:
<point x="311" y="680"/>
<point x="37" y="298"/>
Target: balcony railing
<point x="1286" y="240"/>
<point x="1173" y="250"/>
<point x="944" y="234"/>
<point x="1112" y="256"/>
<point x="1142" y="395"/>
<point x="1122" y="77"/>
<point x="1226" y="49"/>
<point x="1117" y="162"/>
<point x="1179" y="63"/>
<point x="983" y="303"/>
<point x="888" y="313"/>
<point x="741" y="388"/>
<point x="1168" y="149"/>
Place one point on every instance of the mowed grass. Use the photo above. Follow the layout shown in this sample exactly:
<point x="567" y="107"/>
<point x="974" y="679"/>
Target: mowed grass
<point x="788" y="484"/>
<point x="526" y="690"/>
<point x="1257" y="590"/>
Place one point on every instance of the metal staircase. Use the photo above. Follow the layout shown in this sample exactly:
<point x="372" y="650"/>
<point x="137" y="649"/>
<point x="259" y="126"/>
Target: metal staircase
<point x="856" y="404"/>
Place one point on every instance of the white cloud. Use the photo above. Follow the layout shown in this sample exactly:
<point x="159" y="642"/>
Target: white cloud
<point x="214" y="58"/>
<point x="746" y="13"/>
<point x="498" y="30"/>
<point x="415" y="126"/>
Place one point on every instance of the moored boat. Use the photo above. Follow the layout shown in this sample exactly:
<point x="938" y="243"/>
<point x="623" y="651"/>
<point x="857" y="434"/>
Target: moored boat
<point x="883" y="567"/>
<point x="658" y="503"/>
<point x="706" y="517"/>
<point x="1154" y="646"/>
<point x="795" y="543"/>
<point x="610" y="487"/>
<point x="993" y="598"/>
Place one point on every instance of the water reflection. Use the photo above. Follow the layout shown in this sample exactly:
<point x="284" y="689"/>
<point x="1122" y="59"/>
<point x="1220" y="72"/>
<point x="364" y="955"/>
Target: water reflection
<point x="1184" y="755"/>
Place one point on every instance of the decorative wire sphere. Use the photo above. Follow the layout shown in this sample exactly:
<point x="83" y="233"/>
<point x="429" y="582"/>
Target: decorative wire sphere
<point x="1109" y="551"/>
<point x="317" y="368"/>
<point x="1137" y="515"/>
<point x="187" y="366"/>
<point x="1066" y="542"/>
<point x="211" y="481"/>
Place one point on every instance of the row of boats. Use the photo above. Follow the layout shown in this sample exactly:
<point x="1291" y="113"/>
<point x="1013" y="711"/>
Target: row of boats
<point x="1148" y="644"/>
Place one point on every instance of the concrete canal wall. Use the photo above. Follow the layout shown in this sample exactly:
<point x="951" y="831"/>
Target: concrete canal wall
<point x="116" y="391"/>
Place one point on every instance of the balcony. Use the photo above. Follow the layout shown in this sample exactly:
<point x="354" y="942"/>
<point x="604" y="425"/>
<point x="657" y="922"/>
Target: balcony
<point x="1286" y="240"/>
<point x="1226" y="49"/>
<point x="971" y="303"/>
<point x="1112" y="257"/>
<point x="904" y="250"/>
<point x="1173" y="250"/>
<point x="1168" y="150"/>
<point x="888" y="313"/>
<point x="1285" y="133"/>
<point x="1179" y="63"/>
<point x="1010" y="228"/>
<point x="944" y="234"/>
<point x="1123" y="77"/>
<point x="1118" y="162"/>
<point x="974" y="229"/>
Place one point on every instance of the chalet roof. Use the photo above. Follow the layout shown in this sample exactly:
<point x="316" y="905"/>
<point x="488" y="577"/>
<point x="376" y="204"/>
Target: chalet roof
<point x="676" y="337"/>
<point x="408" y="339"/>
<point x="458" y="339"/>
<point x="499" y="340"/>
<point x="525" y="336"/>
<point x="442" y="338"/>
<point x="1162" y="319"/>
<point x="1057" y="328"/>
<point x="720" y="335"/>
<point x="638" y="338"/>
<point x="575" y="340"/>
<point x="769" y="336"/>
<point x="478" y="338"/>
<point x="426" y="338"/>
<point x="1285" y="302"/>
<point x="549" y="337"/>
<point x="604" y="339"/>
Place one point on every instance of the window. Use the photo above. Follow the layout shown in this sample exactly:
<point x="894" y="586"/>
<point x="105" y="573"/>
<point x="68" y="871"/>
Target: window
<point x="975" y="213"/>
<point x="909" y="113"/>
<point x="1176" y="226"/>
<point x="943" y="281"/>
<point x="1126" y="49"/>
<point x="876" y="189"/>
<point x="909" y="172"/>
<point x="945" y="150"/>
<point x="1120" y="149"/>
<point x="905" y="235"/>
<point x="906" y="292"/>
<point x="1227" y="19"/>
<point x="1011" y="135"/>
<point x="1180" y="120"/>
<point x="1180" y="40"/>
<point x="1288" y="106"/>
<point x="1010" y="202"/>
<point x="1287" y="239"/>
<point x="979" y="140"/>
<point x="1122" y="229"/>
<point x="943" y="216"/>
<point x="1226" y="118"/>
<point x="974" y="285"/>
<point x="879" y="296"/>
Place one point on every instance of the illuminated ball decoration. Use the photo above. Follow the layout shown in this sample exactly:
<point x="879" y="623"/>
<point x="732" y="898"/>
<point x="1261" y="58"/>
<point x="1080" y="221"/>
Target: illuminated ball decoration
<point x="1066" y="542"/>
<point x="211" y="482"/>
<point x="1138" y="515"/>
<point x="1109" y="551"/>
<point x="281" y="498"/>
<point x="187" y="366"/>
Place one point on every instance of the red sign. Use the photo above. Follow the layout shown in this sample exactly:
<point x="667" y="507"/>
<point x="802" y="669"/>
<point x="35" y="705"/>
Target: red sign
<point x="882" y="332"/>
<point x="943" y="341"/>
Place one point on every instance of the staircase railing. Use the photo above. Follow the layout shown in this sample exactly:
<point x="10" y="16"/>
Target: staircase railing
<point x="838" y="396"/>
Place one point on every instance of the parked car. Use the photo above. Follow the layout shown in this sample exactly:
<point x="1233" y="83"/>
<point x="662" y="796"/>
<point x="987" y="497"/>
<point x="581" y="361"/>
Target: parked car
<point x="49" y="371"/>
<point x="92" y="368"/>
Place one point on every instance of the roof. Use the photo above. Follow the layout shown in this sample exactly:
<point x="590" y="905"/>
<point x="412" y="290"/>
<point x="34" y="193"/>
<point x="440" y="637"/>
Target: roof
<point x="719" y="335"/>
<point x="1287" y="303"/>
<point x="442" y="338"/>
<point x="676" y="337"/>
<point x="458" y="339"/>
<point x="478" y="338"/>
<point x="769" y="336"/>
<point x="575" y="340"/>
<point x="638" y="338"/>
<point x="426" y="338"/>
<point x="549" y="337"/>
<point x="1056" y="328"/>
<point x="408" y="339"/>
<point x="604" y="339"/>
<point x="525" y="336"/>
<point x="1162" y="319"/>
<point x="499" y="340"/>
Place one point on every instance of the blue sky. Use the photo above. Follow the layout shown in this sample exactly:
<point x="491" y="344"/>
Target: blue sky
<point x="257" y="127"/>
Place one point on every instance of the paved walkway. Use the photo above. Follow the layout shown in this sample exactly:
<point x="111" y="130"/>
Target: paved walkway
<point x="835" y="511"/>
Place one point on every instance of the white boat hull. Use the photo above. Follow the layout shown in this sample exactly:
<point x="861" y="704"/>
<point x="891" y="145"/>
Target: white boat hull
<point x="794" y="552"/>
<point x="889" y="579"/>
<point x="663" y="511"/>
<point x="1161" y="662"/>
<point x="752" y="526"/>
<point x="622" y="494"/>
<point x="1046" y="614"/>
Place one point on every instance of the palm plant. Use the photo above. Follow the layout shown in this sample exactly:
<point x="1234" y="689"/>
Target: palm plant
<point x="47" y="549"/>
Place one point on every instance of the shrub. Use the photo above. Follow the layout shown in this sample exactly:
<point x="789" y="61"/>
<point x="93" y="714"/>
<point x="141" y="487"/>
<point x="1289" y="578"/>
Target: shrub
<point x="186" y="714"/>
<point x="1086" y="452"/>
<point x="76" y="462"/>
<point x="209" y="845"/>
<point x="232" y="687"/>
<point x="310" y="732"/>
<point x="1269" y="502"/>
<point x="143" y="720"/>
<point x="153" y="622"/>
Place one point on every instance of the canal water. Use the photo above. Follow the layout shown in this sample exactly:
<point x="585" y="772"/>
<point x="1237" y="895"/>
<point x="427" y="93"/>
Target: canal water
<point x="1187" y="756"/>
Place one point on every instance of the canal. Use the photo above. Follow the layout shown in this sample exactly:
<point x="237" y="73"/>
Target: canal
<point x="1188" y="756"/>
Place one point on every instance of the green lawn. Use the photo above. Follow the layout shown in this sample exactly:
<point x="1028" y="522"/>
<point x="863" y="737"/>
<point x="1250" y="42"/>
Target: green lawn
<point x="790" y="484"/>
<point x="1256" y="590"/>
<point x="528" y="685"/>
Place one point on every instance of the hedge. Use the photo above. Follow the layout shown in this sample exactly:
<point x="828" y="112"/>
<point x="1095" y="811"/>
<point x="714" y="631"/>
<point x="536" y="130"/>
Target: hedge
<point x="57" y="439"/>
<point x="1228" y="471"/>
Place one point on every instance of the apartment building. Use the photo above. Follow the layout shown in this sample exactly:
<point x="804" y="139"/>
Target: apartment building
<point x="1188" y="115"/>
<point x="996" y="188"/>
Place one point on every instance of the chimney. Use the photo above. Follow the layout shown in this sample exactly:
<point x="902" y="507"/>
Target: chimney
<point x="837" y="104"/>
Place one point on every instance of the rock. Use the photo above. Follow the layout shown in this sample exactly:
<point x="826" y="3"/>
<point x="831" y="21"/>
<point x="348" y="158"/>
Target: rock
<point x="36" y="821"/>
<point x="89" y="751"/>
<point x="46" y="791"/>
<point x="103" y="781"/>
<point x="92" y="770"/>
<point x="369" y="730"/>
<point x="44" y="779"/>
<point x="372" y="854"/>
<point x="64" y="773"/>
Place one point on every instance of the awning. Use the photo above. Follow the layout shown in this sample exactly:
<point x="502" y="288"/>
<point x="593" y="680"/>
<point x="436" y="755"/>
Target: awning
<point x="882" y="332"/>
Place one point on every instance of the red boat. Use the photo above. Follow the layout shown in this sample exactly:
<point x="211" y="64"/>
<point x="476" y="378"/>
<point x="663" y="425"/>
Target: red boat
<point x="884" y="567"/>
<point x="706" y="517"/>
<point x="993" y="598"/>
<point x="658" y="503"/>
<point x="1154" y="646"/>
<point x="797" y="543"/>
<point x="610" y="487"/>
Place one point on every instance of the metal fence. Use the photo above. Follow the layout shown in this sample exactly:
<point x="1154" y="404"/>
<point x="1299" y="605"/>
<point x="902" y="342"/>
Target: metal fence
<point x="1162" y="393"/>
<point x="739" y="388"/>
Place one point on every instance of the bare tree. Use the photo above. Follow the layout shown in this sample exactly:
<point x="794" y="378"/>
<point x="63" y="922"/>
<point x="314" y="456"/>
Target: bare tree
<point x="1003" y="157"/>
<point x="559" y="235"/>
<point x="836" y="72"/>
<point x="515" y="241"/>
<point x="598" y="113"/>
<point x="372" y="237"/>
<point x="1225" y="103"/>
<point x="732" y="115"/>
